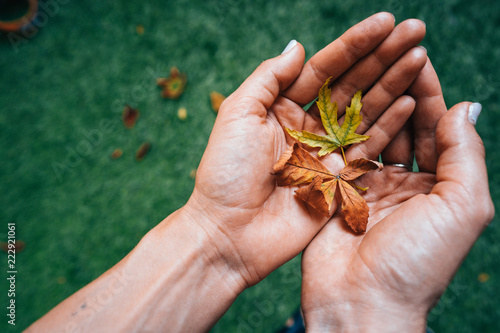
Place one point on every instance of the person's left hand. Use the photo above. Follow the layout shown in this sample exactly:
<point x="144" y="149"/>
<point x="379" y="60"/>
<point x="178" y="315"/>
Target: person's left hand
<point x="255" y="225"/>
<point x="421" y="225"/>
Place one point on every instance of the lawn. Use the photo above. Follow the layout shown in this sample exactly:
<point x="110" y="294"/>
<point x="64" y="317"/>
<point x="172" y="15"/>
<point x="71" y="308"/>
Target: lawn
<point x="62" y="92"/>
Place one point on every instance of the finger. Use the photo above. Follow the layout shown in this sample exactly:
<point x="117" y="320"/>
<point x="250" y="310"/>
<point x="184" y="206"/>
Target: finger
<point x="461" y="171"/>
<point x="430" y="107"/>
<point x="339" y="56"/>
<point x="390" y="86"/>
<point x="260" y="90"/>
<point x="400" y="149"/>
<point x="384" y="130"/>
<point x="368" y="70"/>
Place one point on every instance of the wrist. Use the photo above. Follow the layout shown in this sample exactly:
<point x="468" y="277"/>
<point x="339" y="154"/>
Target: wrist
<point x="197" y="236"/>
<point x="222" y="228"/>
<point x="365" y="314"/>
<point x="190" y="281"/>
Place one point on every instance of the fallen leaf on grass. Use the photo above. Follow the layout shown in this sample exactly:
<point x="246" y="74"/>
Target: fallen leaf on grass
<point x="130" y="116"/>
<point x="336" y="136"/>
<point x="483" y="277"/>
<point x="139" y="29"/>
<point x="117" y="153"/>
<point x="18" y="246"/>
<point x="182" y="113"/>
<point x="173" y="86"/>
<point x="142" y="151"/>
<point x="216" y="100"/>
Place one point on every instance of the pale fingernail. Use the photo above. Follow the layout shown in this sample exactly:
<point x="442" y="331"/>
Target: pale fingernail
<point x="423" y="48"/>
<point x="474" y="112"/>
<point x="290" y="46"/>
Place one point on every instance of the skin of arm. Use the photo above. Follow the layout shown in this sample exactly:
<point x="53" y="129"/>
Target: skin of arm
<point x="238" y="226"/>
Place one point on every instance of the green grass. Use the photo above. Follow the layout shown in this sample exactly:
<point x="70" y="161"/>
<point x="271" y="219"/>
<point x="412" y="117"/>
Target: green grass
<point x="87" y="61"/>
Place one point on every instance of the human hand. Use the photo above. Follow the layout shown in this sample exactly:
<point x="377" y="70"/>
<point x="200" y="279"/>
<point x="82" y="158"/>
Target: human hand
<point x="254" y="225"/>
<point x="421" y="226"/>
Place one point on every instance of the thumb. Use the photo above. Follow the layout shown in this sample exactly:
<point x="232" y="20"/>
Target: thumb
<point x="461" y="171"/>
<point x="270" y="78"/>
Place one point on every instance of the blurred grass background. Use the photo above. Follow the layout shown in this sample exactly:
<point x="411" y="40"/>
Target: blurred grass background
<point x="61" y="85"/>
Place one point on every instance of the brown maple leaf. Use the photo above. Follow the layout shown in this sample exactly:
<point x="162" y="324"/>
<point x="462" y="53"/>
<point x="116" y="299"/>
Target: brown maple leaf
<point x="296" y="166"/>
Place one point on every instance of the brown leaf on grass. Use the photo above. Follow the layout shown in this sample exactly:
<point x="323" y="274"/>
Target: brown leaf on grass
<point x="216" y="100"/>
<point x="172" y="86"/>
<point x="296" y="166"/>
<point x="18" y="246"/>
<point x="130" y="116"/>
<point x="142" y="151"/>
<point x="117" y="153"/>
<point x="139" y="29"/>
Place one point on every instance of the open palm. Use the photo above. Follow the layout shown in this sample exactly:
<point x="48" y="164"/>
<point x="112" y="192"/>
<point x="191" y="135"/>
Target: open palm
<point x="265" y="225"/>
<point x="420" y="228"/>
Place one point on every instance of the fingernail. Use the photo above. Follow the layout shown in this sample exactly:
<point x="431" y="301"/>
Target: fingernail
<point x="290" y="45"/>
<point x="423" y="48"/>
<point x="474" y="112"/>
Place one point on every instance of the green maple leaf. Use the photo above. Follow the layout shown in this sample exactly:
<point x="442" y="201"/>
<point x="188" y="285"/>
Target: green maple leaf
<point x="336" y="136"/>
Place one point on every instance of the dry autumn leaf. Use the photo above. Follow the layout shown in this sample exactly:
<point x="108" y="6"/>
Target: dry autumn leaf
<point x="216" y="100"/>
<point x="336" y="136"/>
<point x="130" y="116"/>
<point x="142" y="151"/>
<point x="173" y="86"/>
<point x="182" y="113"/>
<point x="314" y="196"/>
<point x="18" y="246"/>
<point x="139" y="29"/>
<point x="296" y="166"/>
<point x="117" y="153"/>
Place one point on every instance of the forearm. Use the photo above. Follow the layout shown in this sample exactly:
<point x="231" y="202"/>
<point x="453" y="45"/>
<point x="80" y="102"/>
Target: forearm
<point x="173" y="279"/>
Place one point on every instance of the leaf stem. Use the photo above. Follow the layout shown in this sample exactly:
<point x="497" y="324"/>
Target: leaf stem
<point x="343" y="154"/>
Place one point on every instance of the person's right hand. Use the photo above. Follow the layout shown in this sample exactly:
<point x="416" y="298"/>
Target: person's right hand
<point x="421" y="225"/>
